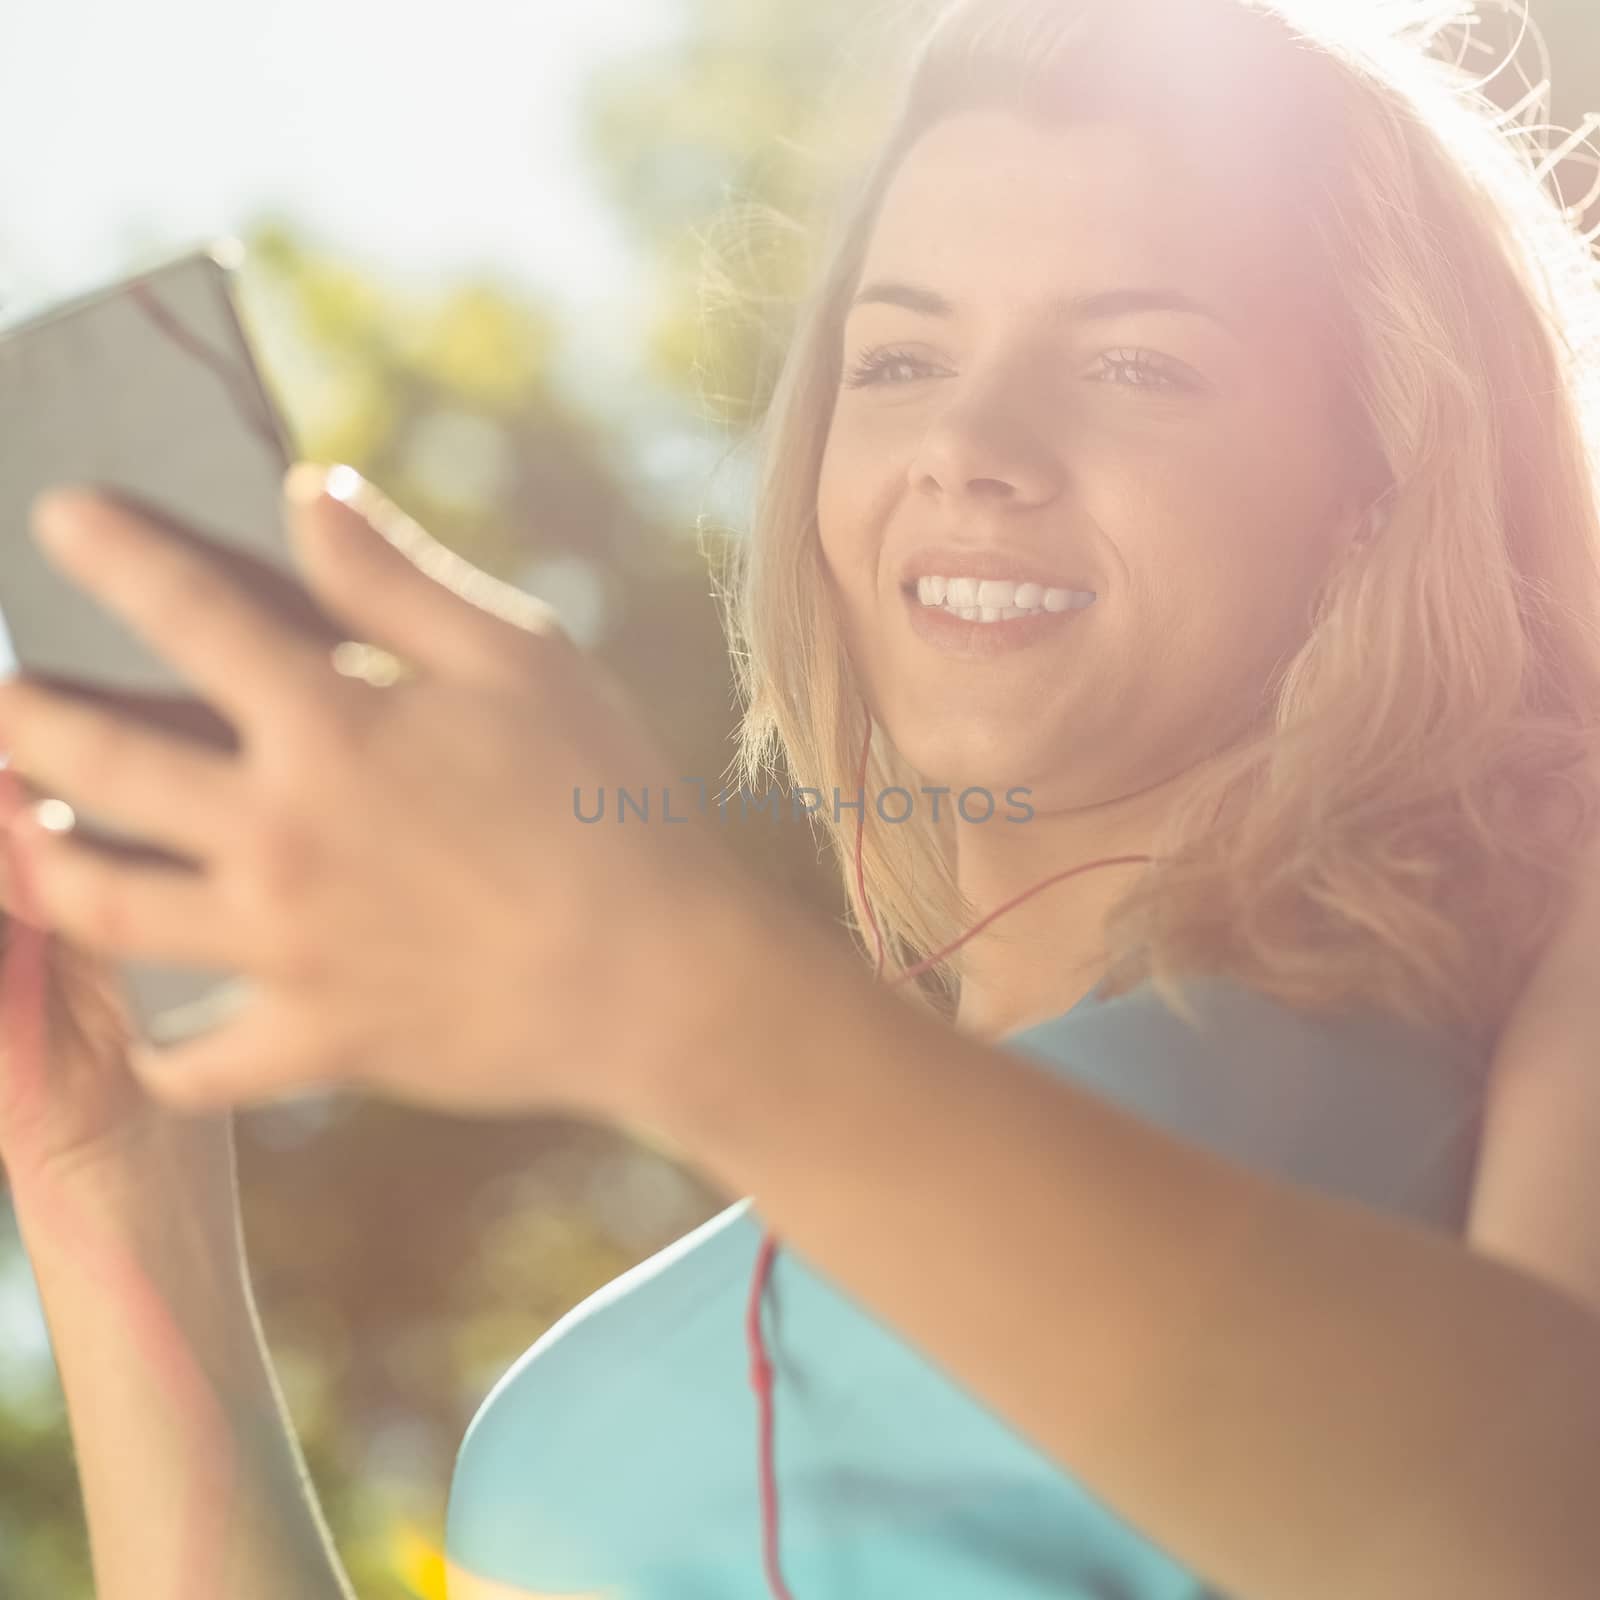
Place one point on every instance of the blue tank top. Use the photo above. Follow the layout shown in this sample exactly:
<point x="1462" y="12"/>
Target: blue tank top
<point x="618" y="1456"/>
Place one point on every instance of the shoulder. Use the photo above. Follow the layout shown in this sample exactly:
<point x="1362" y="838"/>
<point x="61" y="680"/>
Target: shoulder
<point x="638" y="1360"/>
<point x="1360" y="1103"/>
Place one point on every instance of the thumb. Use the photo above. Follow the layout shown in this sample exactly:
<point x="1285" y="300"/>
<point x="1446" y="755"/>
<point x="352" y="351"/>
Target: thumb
<point x="379" y="572"/>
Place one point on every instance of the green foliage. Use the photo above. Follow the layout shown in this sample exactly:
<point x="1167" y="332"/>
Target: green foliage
<point x="725" y="156"/>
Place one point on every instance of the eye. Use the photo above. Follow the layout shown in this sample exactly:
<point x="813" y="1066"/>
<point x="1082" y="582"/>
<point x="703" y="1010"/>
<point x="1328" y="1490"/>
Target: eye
<point x="1144" y="369"/>
<point x="872" y="364"/>
<point x="1131" y="368"/>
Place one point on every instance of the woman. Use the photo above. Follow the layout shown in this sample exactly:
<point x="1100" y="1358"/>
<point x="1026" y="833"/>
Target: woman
<point x="1156" y="1272"/>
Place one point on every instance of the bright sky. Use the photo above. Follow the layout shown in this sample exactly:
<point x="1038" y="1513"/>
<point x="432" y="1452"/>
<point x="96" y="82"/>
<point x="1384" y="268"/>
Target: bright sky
<point x="418" y="140"/>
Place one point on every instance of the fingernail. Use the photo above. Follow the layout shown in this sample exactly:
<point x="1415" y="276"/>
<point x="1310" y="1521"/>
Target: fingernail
<point x="347" y="485"/>
<point x="304" y="482"/>
<point x="51" y="816"/>
<point x="57" y="517"/>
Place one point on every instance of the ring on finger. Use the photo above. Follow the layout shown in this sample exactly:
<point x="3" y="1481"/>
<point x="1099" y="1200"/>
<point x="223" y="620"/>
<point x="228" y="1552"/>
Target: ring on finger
<point x="380" y="669"/>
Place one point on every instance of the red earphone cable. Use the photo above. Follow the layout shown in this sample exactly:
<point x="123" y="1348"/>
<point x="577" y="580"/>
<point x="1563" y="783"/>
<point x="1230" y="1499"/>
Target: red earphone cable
<point x="761" y="1371"/>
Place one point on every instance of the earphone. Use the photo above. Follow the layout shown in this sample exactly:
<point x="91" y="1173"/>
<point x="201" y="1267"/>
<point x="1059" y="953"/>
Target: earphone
<point x="761" y="1371"/>
<point x="1374" y="520"/>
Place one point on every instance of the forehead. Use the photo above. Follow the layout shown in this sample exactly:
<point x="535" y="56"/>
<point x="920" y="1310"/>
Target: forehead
<point x="990" y="203"/>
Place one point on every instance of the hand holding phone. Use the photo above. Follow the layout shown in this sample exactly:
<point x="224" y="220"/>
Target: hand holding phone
<point x="149" y="392"/>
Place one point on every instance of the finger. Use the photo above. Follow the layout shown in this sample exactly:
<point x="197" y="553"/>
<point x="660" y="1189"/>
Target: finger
<point x="160" y="787"/>
<point x="264" y="1056"/>
<point x="131" y="909"/>
<point x="234" y="650"/>
<point x="397" y="586"/>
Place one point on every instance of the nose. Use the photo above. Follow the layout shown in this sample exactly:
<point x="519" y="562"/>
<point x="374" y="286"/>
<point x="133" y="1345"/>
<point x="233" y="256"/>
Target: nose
<point x="984" y="447"/>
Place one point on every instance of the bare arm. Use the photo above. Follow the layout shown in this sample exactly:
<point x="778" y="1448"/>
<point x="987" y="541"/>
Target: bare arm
<point x="1297" y="1397"/>
<point x="1536" y="1196"/>
<point x="192" y="1480"/>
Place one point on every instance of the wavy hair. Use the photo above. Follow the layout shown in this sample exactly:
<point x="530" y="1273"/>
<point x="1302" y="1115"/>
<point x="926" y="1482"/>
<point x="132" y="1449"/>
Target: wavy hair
<point x="1398" y="830"/>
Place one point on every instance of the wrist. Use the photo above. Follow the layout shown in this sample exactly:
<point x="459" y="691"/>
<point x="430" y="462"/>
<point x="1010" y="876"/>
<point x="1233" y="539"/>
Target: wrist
<point x="154" y="1258"/>
<point x="165" y="1187"/>
<point x="143" y="1282"/>
<point x="769" y="983"/>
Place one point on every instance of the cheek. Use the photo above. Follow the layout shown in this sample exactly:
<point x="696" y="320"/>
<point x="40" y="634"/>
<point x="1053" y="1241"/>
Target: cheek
<point x="850" y="486"/>
<point x="1225" y="554"/>
<point x="1247" y="508"/>
<point x="1232" y="602"/>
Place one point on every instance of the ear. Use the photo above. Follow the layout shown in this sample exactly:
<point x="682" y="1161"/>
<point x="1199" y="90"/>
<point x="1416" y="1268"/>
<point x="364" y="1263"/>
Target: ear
<point x="393" y="584"/>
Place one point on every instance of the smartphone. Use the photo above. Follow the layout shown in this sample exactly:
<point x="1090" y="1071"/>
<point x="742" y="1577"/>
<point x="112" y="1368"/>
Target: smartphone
<point x="147" y="390"/>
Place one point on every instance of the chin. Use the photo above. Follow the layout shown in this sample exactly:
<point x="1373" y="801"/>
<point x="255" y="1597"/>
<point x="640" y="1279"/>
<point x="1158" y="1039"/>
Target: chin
<point x="943" y="759"/>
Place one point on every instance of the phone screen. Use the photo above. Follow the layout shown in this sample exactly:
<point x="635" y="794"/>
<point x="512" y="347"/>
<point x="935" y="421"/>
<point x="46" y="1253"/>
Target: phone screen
<point x="147" y="390"/>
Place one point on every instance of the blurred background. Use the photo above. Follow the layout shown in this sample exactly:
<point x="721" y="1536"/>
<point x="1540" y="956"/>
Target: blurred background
<point x="530" y="268"/>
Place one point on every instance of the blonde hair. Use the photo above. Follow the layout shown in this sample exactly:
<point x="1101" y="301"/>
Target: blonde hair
<point x="1392" y="835"/>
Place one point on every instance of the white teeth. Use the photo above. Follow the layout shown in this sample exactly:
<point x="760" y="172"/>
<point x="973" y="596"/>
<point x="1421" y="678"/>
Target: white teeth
<point x="997" y="599"/>
<point x="996" y="592"/>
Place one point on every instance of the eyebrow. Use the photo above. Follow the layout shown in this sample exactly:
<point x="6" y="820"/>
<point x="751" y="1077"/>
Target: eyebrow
<point x="1062" y="308"/>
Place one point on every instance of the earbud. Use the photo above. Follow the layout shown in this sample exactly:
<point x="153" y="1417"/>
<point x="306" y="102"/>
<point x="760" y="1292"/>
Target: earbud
<point x="1371" y="523"/>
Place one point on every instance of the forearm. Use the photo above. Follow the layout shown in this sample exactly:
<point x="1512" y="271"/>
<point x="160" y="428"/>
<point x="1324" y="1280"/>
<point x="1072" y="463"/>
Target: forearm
<point x="1535" y="1195"/>
<point x="1296" y="1397"/>
<point x="192" y="1480"/>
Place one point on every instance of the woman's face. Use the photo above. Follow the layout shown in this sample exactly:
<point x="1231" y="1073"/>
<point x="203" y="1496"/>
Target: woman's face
<point x="1180" y="462"/>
